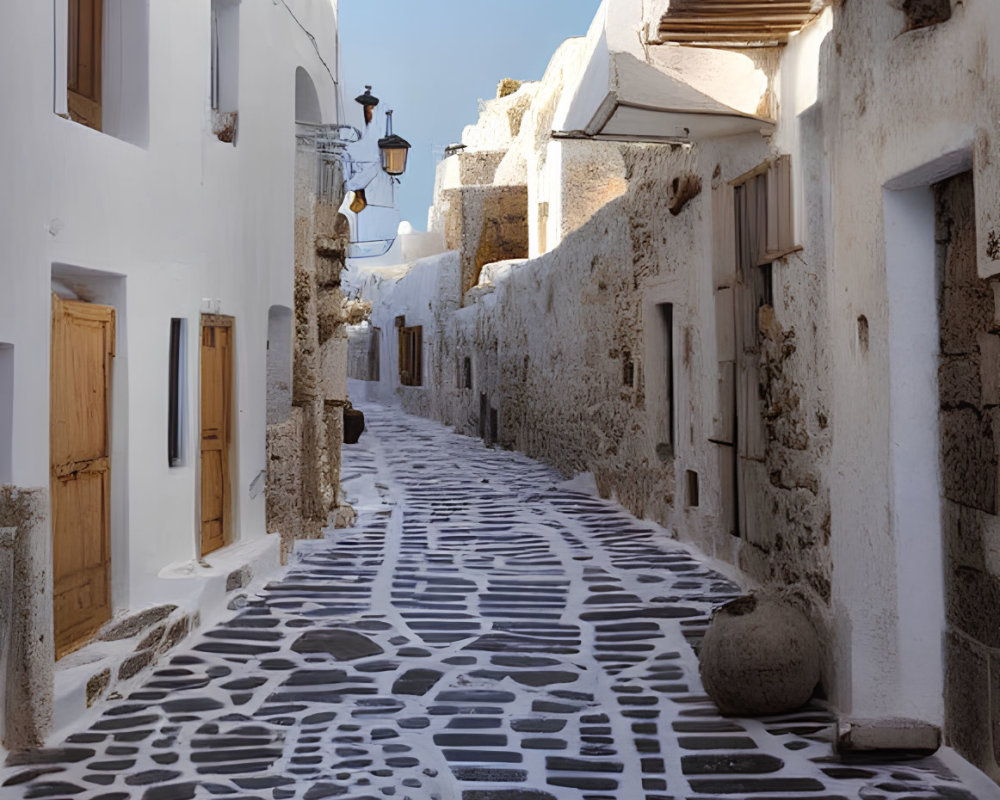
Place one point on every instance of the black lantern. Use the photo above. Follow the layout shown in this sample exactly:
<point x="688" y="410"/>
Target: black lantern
<point x="367" y="99"/>
<point x="368" y="102"/>
<point x="394" y="149"/>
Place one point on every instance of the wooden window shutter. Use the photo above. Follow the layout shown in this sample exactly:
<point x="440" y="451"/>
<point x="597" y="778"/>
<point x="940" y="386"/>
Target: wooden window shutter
<point x="410" y="355"/>
<point x="404" y="356"/>
<point x="83" y="81"/>
<point x="418" y="352"/>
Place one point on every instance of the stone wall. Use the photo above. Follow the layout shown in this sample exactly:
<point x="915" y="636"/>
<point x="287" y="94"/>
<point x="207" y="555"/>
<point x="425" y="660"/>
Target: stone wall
<point x="969" y="386"/>
<point x="303" y="481"/>
<point x="560" y="350"/>
<point x="486" y="224"/>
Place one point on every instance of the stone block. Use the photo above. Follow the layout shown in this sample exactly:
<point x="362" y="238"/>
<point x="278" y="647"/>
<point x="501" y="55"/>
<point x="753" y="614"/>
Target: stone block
<point x="866" y="735"/>
<point x="967" y="726"/>
<point x="959" y="381"/>
<point x="965" y="311"/>
<point x="968" y="458"/>
<point x="963" y="529"/>
<point x="152" y="638"/>
<point x="238" y="578"/>
<point x="134" y="664"/>
<point x="177" y="631"/>
<point x="989" y="368"/>
<point x="477" y="167"/>
<point x="96" y="686"/>
<point x="971" y="603"/>
<point x="134" y="624"/>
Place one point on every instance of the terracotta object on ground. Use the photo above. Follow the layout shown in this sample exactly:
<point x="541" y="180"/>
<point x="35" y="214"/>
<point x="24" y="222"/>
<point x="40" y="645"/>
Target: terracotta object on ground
<point x="760" y="655"/>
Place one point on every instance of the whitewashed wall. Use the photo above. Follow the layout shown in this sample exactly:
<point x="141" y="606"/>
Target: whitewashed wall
<point x="154" y="228"/>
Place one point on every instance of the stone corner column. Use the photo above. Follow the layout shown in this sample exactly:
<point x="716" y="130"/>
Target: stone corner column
<point x="27" y="661"/>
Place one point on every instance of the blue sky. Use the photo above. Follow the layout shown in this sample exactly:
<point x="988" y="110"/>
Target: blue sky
<point x="432" y="60"/>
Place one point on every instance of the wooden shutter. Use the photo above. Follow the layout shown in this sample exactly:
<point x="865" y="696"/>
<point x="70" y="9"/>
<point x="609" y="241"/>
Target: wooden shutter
<point x="410" y="355"/>
<point x="83" y="81"/>
<point x="417" y="350"/>
<point x="216" y="430"/>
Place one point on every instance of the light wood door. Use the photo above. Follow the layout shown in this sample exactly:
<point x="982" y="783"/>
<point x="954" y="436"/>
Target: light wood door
<point x="83" y="346"/>
<point x="216" y="425"/>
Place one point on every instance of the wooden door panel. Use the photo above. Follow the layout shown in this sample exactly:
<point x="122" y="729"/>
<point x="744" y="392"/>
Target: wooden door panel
<point x="82" y="352"/>
<point x="216" y="423"/>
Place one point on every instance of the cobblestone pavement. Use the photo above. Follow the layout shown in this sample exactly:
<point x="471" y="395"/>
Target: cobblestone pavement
<point x="481" y="634"/>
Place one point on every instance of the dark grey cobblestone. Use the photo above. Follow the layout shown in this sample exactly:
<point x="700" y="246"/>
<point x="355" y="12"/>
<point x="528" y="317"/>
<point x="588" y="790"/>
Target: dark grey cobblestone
<point x="482" y="633"/>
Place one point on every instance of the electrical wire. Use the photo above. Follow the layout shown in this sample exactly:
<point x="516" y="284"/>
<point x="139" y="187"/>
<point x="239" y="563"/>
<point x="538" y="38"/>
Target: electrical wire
<point x="315" y="45"/>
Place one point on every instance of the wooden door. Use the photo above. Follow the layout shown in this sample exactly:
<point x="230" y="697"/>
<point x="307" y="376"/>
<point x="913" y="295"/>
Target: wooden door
<point x="216" y="426"/>
<point x="83" y="346"/>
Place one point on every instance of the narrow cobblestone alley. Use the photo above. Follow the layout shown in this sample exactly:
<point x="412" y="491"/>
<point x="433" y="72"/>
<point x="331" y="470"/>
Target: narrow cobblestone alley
<point x="482" y="633"/>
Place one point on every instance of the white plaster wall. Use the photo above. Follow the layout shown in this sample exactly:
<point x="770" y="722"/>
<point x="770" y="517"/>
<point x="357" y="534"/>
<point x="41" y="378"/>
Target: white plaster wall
<point x="184" y="218"/>
<point x="898" y="102"/>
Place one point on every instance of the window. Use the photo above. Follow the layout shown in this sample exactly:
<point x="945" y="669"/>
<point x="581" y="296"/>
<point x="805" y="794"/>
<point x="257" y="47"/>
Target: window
<point x="177" y="392"/>
<point x="102" y="66"/>
<point x="691" y="488"/>
<point x="465" y="380"/>
<point x="224" y="90"/>
<point x="84" y="62"/>
<point x="665" y="378"/>
<point x="411" y="355"/>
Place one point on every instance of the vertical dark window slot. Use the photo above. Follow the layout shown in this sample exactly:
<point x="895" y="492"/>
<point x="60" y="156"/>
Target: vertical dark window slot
<point x="691" y="480"/>
<point x="667" y="321"/>
<point x="174" y="400"/>
<point x="215" y="57"/>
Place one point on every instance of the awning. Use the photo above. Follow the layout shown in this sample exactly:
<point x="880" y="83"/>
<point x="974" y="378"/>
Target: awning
<point x="633" y="91"/>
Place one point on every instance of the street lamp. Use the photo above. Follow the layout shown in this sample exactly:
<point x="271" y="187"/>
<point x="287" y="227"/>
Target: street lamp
<point x="394" y="149"/>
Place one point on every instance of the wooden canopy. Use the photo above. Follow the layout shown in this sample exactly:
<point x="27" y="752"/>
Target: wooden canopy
<point x="735" y="23"/>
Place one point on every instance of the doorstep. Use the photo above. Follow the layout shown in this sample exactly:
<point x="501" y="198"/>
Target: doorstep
<point x="172" y="605"/>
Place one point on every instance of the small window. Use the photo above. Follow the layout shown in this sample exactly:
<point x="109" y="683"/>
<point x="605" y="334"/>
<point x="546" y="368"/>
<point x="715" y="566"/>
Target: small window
<point x="225" y="54"/>
<point x="411" y="355"/>
<point x="663" y="373"/>
<point x="102" y="66"/>
<point x="691" y="488"/>
<point x="225" y="68"/>
<point x="466" y="373"/>
<point x="177" y="392"/>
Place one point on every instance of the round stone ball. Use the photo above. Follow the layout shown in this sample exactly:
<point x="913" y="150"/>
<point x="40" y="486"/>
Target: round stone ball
<point x="760" y="655"/>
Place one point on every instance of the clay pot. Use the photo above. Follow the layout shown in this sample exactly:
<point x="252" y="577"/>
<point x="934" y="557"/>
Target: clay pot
<point x="760" y="655"/>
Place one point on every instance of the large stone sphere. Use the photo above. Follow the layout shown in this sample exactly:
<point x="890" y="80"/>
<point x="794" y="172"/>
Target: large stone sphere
<point x="760" y="655"/>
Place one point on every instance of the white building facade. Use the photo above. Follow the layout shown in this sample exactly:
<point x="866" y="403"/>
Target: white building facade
<point x="147" y="214"/>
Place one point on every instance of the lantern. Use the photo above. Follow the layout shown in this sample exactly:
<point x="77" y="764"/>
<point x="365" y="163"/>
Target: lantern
<point x="394" y="149"/>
